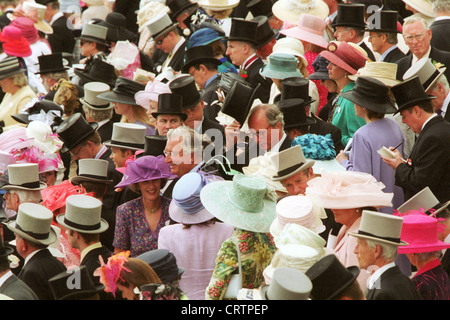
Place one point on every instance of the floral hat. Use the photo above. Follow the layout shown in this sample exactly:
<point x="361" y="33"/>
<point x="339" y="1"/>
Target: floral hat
<point x="144" y="169"/>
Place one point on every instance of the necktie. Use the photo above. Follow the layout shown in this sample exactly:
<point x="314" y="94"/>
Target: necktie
<point x="439" y="112"/>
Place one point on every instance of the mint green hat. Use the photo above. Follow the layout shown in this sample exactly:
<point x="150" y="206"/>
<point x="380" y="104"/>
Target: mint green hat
<point x="281" y="66"/>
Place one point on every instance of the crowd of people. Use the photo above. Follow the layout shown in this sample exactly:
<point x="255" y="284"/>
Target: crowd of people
<point x="225" y="150"/>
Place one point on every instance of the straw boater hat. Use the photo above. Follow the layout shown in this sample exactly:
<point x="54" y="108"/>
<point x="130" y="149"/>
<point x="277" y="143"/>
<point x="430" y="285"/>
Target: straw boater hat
<point x="24" y="176"/>
<point x="33" y="223"/>
<point x="287" y="284"/>
<point x="83" y="214"/>
<point x="380" y="227"/>
<point x="92" y="170"/>
<point x="382" y="71"/>
<point x="427" y="72"/>
<point x="289" y="162"/>
<point x="291" y="10"/>
<point x="241" y="203"/>
<point x="91" y="92"/>
<point x="128" y="136"/>
<point x="309" y="29"/>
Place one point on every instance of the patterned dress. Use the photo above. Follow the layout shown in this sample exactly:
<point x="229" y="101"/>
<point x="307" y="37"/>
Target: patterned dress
<point x="132" y="230"/>
<point x="432" y="281"/>
<point x="257" y="250"/>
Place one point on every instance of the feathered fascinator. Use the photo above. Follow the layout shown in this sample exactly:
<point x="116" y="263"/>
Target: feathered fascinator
<point x="109" y="272"/>
<point x="54" y="197"/>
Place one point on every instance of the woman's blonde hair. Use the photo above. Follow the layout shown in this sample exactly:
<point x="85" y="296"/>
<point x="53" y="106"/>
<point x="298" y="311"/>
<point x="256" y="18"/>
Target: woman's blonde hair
<point x="20" y="80"/>
<point x="140" y="114"/>
<point x="67" y="96"/>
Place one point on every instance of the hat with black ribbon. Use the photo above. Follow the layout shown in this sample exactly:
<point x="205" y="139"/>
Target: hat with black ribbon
<point x="127" y="136"/>
<point x="289" y="162"/>
<point x="123" y="91"/>
<point x="24" y="176"/>
<point x="92" y="170"/>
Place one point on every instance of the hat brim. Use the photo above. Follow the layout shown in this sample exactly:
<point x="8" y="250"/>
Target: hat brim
<point x="103" y="225"/>
<point x="413" y="103"/>
<point x="115" y="97"/>
<point x="214" y="197"/>
<point x="52" y="70"/>
<point x="338" y="61"/>
<point x="307" y="165"/>
<point x="77" y="180"/>
<point x="319" y="75"/>
<point x="267" y="72"/>
<point x="92" y="39"/>
<point x="177" y="215"/>
<point x="207" y="5"/>
<point x="93" y="126"/>
<point x="200" y="60"/>
<point x="423" y="247"/>
<point x="386" y="81"/>
<point x="376" y="106"/>
<point x="363" y="236"/>
<point x="10" y="74"/>
<point x="308" y="121"/>
<point x="276" y="228"/>
<point x="90" y="106"/>
<point x="284" y="13"/>
<point x="52" y="237"/>
<point x="354" y="270"/>
<point x="181" y="114"/>
<point x="42" y="186"/>
<point x="109" y="144"/>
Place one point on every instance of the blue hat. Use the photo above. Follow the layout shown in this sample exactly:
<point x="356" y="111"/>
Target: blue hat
<point x="203" y="37"/>
<point x="163" y="263"/>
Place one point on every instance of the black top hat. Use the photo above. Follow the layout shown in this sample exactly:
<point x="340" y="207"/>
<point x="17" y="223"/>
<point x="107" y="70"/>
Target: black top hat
<point x="97" y="70"/>
<point x="170" y="103"/>
<point x="41" y="105"/>
<point x="298" y="87"/>
<point x="371" y="94"/>
<point x="387" y="22"/>
<point x="197" y="55"/>
<point x="117" y="28"/>
<point x="409" y="93"/>
<point x="330" y="278"/>
<point x="154" y="145"/>
<point x="163" y="263"/>
<point x="51" y="63"/>
<point x="294" y="113"/>
<point x="350" y="15"/>
<point x="123" y="91"/>
<point x="187" y="89"/>
<point x="85" y="289"/>
<point x="74" y="130"/>
<point x="264" y="32"/>
<point x="177" y="6"/>
<point x="226" y="80"/>
<point x="260" y="8"/>
<point x="320" y="65"/>
<point x="243" y="30"/>
<point x="239" y="100"/>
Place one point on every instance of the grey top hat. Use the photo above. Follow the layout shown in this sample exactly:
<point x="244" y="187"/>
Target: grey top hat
<point x="33" y="223"/>
<point x="94" y="33"/>
<point x="381" y="227"/>
<point x="93" y="170"/>
<point x="427" y="72"/>
<point x="83" y="214"/>
<point x="289" y="162"/>
<point x="24" y="176"/>
<point x="127" y="135"/>
<point x="424" y="199"/>
<point x="287" y="284"/>
<point x="160" y="25"/>
<point x="91" y="92"/>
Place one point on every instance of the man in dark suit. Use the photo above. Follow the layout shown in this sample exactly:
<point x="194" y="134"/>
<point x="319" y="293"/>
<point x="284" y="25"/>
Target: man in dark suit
<point x="441" y="90"/>
<point x="429" y="161"/>
<point x="62" y="39"/>
<point x="418" y="39"/>
<point x="378" y="239"/>
<point x="441" y="25"/>
<point x="34" y="233"/>
<point x="242" y="46"/>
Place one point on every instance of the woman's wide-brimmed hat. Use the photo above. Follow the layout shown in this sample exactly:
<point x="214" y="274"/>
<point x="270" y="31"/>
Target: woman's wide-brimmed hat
<point x="34" y="223"/>
<point x="371" y="94"/>
<point x="9" y="67"/>
<point x="348" y="190"/>
<point x="36" y="12"/>
<point x="420" y="231"/>
<point x="128" y="136"/>
<point x="292" y="46"/>
<point x="170" y="103"/>
<point x="164" y="263"/>
<point x="91" y="92"/>
<point x="425" y="7"/>
<point x="309" y="29"/>
<point x="296" y="209"/>
<point x="204" y="36"/>
<point x="289" y="162"/>
<point x="49" y="63"/>
<point x="292" y="10"/>
<point x="74" y="130"/>
<point x="123" y="91"/>
<point x="330" y="277"/>
<point x="409" y="93"/>
<point x="218" y="4"/>
<point x="345" y="56"/>
<point x="116" y="23"/>
<point x="37" y="110"/>
<point x="197" y="55"/>
<point x="186" y="206"/>
<point x="26" y="25"/>
<point x="241" y="203"/>
<point x="350" y="15"/>
<point x="83" y="214"/>
<point x="92" y="170"/>
<point x="380" y="227"/>
<point x="383" y="71"/>
<point x="427" y="72"/>
<point x="281" y="66"/>
<point x="287" y="284"/>
<point x="14" y="43"/>
<point x="144" y="169"/>
<point x="24" y="176"/>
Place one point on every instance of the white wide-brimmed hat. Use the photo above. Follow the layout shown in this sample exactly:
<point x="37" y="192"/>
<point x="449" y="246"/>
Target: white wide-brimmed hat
<point x="291" y="10"/>
<point x="423" y="6"/>
<point x="83" y="214"/>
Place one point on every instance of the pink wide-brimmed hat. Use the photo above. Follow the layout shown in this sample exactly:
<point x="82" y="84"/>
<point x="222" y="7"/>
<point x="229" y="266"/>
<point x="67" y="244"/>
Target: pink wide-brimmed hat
<point x="26" y="25"/>
<point x="14" y="43"/>
<point x="420" y="231"/>
<point x="345" y="56"/>
<point x="309" y="29"/>
<point x="144" y="169"/>
<point x="152" y="90"/>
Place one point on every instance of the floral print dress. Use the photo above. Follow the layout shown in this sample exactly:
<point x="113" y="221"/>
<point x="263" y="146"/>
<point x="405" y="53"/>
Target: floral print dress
<point x="257" y="250"/>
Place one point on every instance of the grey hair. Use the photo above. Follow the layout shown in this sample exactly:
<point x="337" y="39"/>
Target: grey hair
<point x="388" y="251"/>
<point x="441" y="6"/>
<point x="443" y="81"/>
<point x="192" y="141"/>
<point x="56" y="76"/>
<point x="98" y="115"/>
<point x="414" y="19"/>
<point x="424" y="256"/>
<point x="28" y="196"/>
<point x="272" y="112"/>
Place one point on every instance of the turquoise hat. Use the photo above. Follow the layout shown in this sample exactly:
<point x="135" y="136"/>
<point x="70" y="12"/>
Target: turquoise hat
<point x="281" y="66"/>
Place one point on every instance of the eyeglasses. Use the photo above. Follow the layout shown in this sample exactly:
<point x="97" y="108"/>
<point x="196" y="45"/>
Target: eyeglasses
<point x="160" y="41"/>
<point x="411" y="37"/>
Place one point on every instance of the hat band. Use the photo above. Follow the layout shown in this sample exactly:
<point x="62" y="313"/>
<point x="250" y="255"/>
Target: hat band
<point x="94" y="176"/>
<point x="35" y="235"/>
<point x="127" y="144"/>
<point x="290" y="169"/>
<point x="364" y="233"/>
<point x="81" y="226"/>
<point x="427" y="83"/>
<point x="34" y="184"/>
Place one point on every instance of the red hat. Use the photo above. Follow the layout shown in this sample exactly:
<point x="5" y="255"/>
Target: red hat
<point x="26" y="25"/>
<point x="14" y="43"/>
<point x="344" y="56"/>
<point x="421" y="232"/>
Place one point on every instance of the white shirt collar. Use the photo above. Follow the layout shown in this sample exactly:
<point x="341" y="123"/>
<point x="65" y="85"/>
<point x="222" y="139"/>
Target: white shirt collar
<point x="276" y="147"/>
<point x="445" y="105"/>
<point x="432" y="116"/>
<point x="5" y="277"/>
<point x="414" y="58"/>
<point x="31" y="256"/>
<point x="57" y="15"/>
<point x="372" y="281"/>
